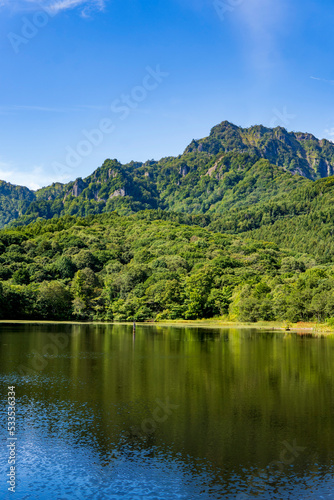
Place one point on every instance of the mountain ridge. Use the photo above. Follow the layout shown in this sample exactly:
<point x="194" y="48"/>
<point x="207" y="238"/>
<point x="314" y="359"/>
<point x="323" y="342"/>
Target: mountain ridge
<point x="303" y="143"/>
<point x="232" y="167"/>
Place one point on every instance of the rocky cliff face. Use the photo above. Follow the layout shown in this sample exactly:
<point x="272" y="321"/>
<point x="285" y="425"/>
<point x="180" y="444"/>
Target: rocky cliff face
<point x="297" y="152"/>
<point x="78" y="187"/>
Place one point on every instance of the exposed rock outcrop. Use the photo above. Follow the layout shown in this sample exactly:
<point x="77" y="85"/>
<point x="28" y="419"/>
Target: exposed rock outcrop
<point x="184" y="170"/>
<point x="118" y="192"/>
<point x="78" y="187"/>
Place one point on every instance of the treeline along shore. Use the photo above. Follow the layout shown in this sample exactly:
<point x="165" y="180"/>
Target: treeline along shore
<point x="147" y="267"/>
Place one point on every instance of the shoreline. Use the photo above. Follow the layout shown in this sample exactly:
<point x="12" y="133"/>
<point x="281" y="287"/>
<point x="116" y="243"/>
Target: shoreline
<point x="203" y="323"/>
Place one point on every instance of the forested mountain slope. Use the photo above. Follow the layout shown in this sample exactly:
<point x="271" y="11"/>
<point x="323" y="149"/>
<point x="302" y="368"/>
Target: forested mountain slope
<point x="193" y="183"/>
<point x="231" y="168"/>
<point x="14" y="201"/>
<point x="302" y="220"/>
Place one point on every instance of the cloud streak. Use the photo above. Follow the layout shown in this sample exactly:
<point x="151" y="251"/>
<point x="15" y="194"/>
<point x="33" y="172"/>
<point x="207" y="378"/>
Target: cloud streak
<point x="34" y="179"/>
<point x="262" y="20"/>
<point x="62" y="5"/>
<point x="331" y="82"/>
<point x="54" y="6"/>
<point x="49" y="109"/>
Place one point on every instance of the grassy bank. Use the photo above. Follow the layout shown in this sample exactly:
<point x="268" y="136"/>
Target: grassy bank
<point x="217" y="323"/>
<point x="260" y="325"/>
<point x="200" y="323"/>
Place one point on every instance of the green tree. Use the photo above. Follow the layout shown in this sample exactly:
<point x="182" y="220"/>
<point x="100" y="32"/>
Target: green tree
<point x="197" y="290"/>
<point x="65" y="267"/>
<point x="86" y="291"/>
<point x="54" y="301"/>
<point x="219" y="301"/>
<point x="21" y="276"/>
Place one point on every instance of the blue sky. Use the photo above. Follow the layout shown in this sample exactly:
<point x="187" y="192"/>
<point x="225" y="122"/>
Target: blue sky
<point x="86" y="80"/>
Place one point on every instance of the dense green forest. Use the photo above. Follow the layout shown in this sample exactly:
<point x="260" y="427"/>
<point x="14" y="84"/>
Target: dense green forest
<point x="111" y="267"/>
<point x="14" y="202"/>
<point x="302" y="220"/>
<point x="240" y="226"/>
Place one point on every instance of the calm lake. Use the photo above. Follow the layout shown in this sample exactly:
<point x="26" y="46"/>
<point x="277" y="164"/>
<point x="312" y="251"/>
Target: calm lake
<point x="167" y="413"/>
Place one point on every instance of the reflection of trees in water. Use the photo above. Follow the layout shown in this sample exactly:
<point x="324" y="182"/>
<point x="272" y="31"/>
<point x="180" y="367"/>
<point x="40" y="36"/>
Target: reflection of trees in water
<point x="241" y="393"/>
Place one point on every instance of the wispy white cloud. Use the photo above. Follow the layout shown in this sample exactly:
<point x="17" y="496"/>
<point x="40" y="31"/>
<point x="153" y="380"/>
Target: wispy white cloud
<point x="54" y="6"/>
<point x="34" y="179"/>
<point x="44" y="109"/>
<point x="48" y="109"/>
<point x="263" y="20"/>
<point x="61" y="5"/>
<point x="6" y="171"/>
<point x="322" y="80"/>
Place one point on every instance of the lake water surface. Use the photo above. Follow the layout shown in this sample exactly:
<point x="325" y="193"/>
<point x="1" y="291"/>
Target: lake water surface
<point x="167" y="413"/>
